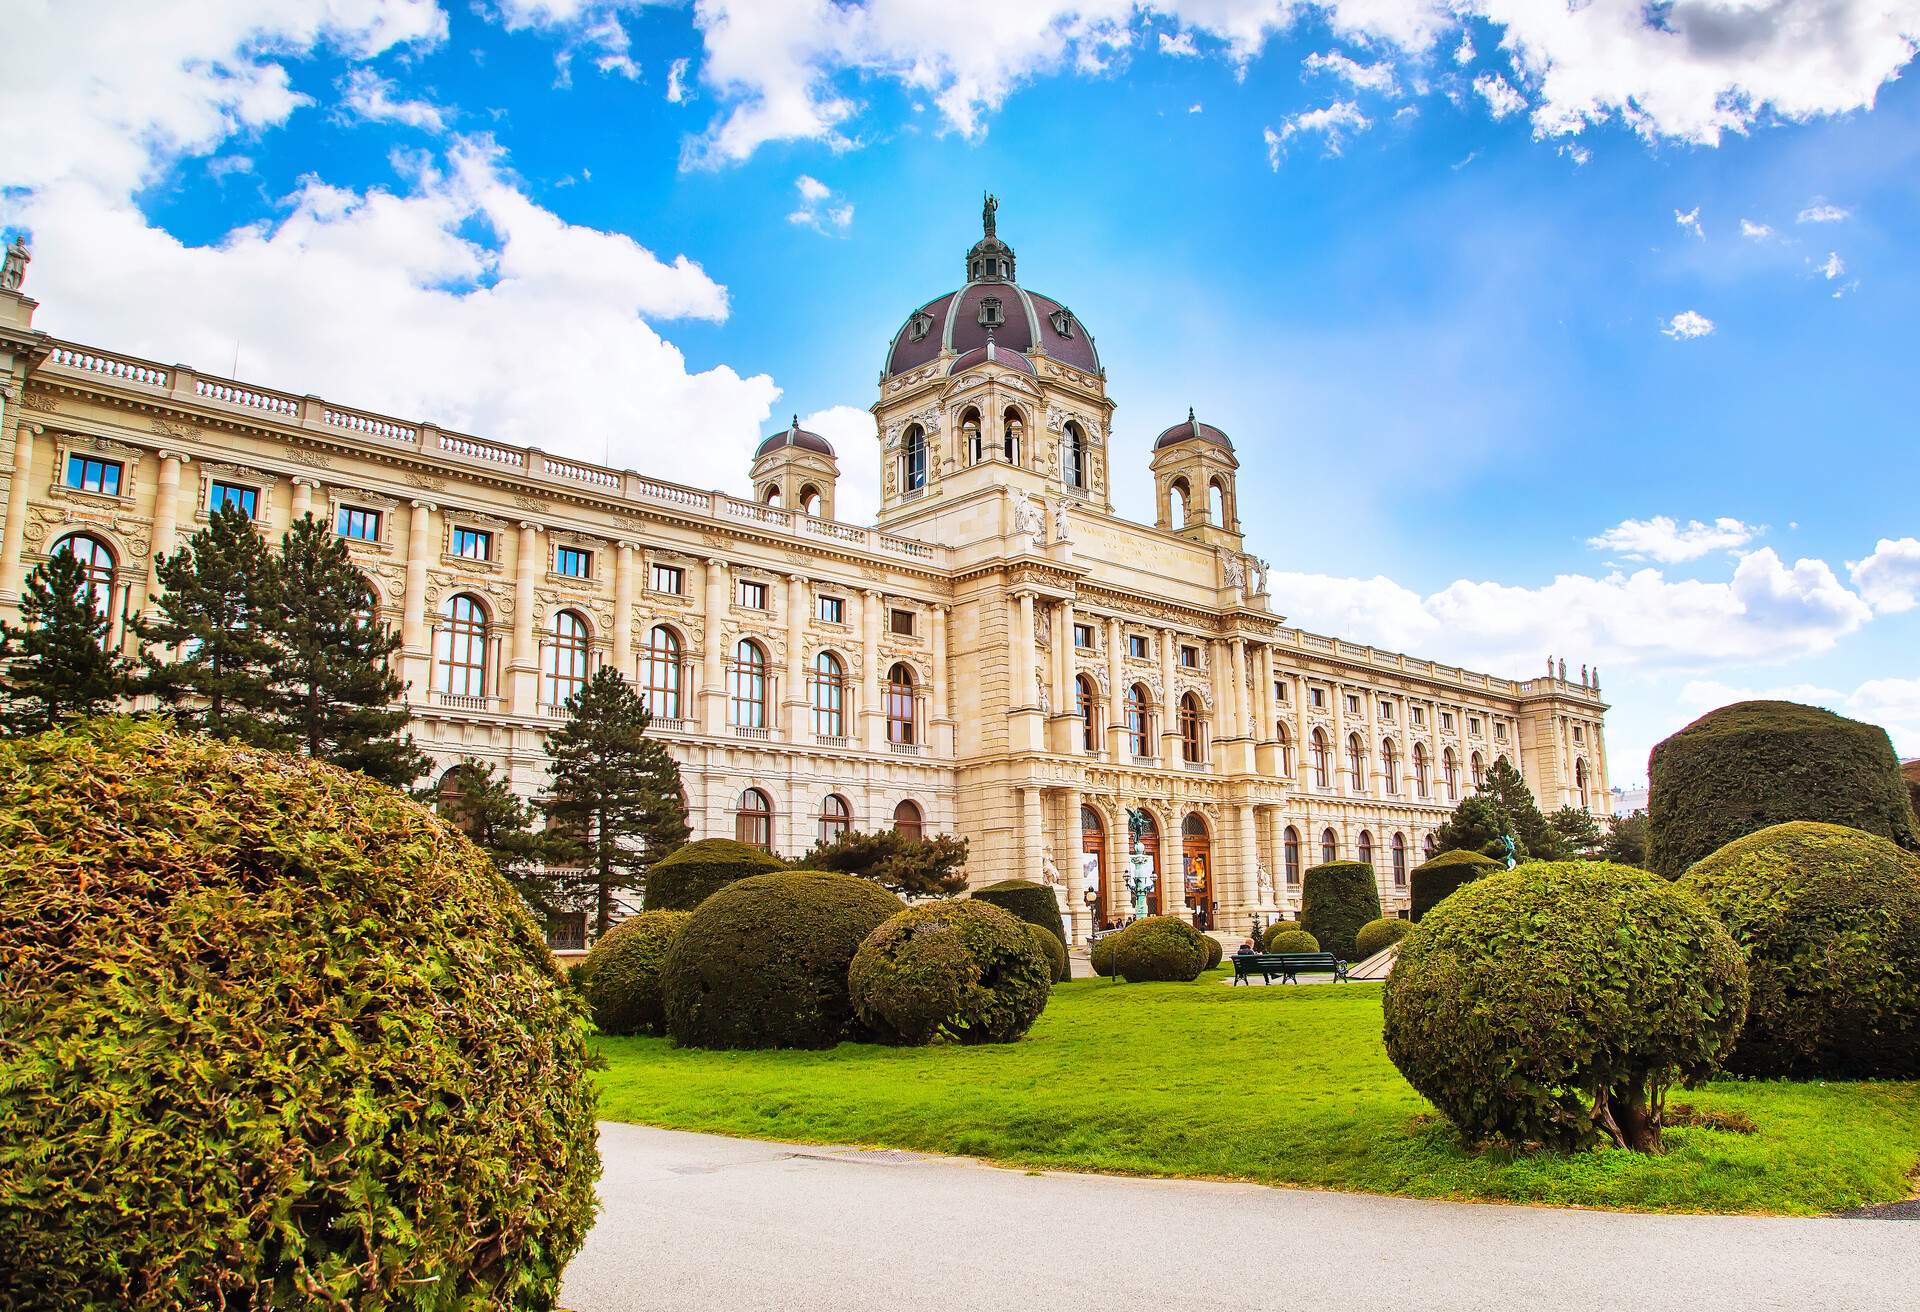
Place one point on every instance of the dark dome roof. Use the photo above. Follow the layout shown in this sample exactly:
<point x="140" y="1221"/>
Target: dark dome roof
<point x="795" y="436"/>
<point x="991" y="351"/>
<point x="1191" y="430"/>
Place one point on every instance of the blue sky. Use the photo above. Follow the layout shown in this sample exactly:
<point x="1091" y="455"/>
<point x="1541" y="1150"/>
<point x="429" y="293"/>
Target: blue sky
<point x="1584" y="330"/>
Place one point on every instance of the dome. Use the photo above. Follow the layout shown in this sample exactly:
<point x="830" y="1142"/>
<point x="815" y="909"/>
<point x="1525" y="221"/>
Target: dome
<point x="794" y="436"/>
<point x="1192" y="430"/>
<point x="980" y="355"/>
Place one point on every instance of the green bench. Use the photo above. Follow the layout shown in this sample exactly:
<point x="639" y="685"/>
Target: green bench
<point x="1289" y="966"/>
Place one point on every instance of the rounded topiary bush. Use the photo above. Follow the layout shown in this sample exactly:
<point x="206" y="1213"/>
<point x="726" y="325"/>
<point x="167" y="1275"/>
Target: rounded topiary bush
<point x="763" y="962"/>
<point x="1058" y="966"/>
<point x="263" y="1019"/>
<point x="964" y="970"/>
<point x="1434" y="879"/>
<point x="694" y="872"/>
<point x="1100" y="955"/>
<point x="621" y="975"/>
<point x="1526" y="992"/>
<point x="1214" y="952"/>
<point x="1293" y="940"/>
<point x="1159" y="948"/>
<point x="1378" y="934"/>
<point x="1274" y="931"/>
<point x="1037" y="904"/>
<point x="1335" y="900"/>
<point x="1829" y="918"/>
<point x="1744" y="767"/>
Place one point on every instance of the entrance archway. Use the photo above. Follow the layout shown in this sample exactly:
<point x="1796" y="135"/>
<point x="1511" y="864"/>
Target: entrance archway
<point x="1196" y="868"/>
<point x="1149" y="841"/>
<point x="1093" y="863"/>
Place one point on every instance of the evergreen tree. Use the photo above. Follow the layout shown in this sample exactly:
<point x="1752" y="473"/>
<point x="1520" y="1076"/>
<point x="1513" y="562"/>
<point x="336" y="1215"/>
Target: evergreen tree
<point x="1530" y="829"/>
<point x="1626" y="840"/>
<point x="1478" y="825"/>
<point x="1579" y="835"/>
<point x="911" y="867"/>
<point x="484" y="807"/>
<point x="60" y="664"/>
<point x="334" y="690"/>
<point x="614" y="800"/>
<point x="216" y="622"/>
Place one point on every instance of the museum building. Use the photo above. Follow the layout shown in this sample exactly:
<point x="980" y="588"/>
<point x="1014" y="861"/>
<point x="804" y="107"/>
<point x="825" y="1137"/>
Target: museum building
<point x="1001" y="656"/>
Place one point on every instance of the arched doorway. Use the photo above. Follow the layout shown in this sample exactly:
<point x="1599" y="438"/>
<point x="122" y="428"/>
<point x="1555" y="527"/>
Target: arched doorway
<point x="1196" y="868"/>
<point x="1093" y="864"/>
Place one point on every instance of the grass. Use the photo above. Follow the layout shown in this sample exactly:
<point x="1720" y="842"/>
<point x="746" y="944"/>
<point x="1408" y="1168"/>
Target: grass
<point x="1278" y="1085"/>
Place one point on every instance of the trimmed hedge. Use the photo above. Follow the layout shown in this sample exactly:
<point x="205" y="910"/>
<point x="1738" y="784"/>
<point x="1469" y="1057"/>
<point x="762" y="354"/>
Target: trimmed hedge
<point x="694" y="872"/>
<point x="763" y="962"/>
<point x="1378" y="934"/>
<point x="1744" y="767"/>
<point x="1293" y="940"/>
<point x="1434" y="879"/>
<point x="1829" y="918"/>
<point x="1526" y="992"/>
<point x="264" y="1021"/>
<point x="1214" y="952"/>
<point x="1100" y="955"/>
<point x="1026" y="900"/>
<point x="1335" y="900"/>
<point x="1159" y="948"/>
<point x="1276" y="929"/>
<point x="621" y="975"/>
<point x="961" y="969"/>
<point x="1059" y="968"/>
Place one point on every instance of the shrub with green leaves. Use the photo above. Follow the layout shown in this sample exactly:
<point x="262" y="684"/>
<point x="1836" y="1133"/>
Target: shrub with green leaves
<point x="1292" y="940"/>
<point x="1214" y="951"/>
<point x="1059" y="967"/>
<point x="1433" y="880"/>
<point x="963" y="970"/>
<point x="1035" y="903"/>
<point x="763" y="962"/>
<point x="1376" y="935"/>
<point x="1159" y="948"/>
<point x="271" y="1035"/>
<point x="1335" y="900"/>
<point x="1558" y="1002"/>
<point x="1274" y="931"/>
<point x="621" y="974"/>
<point x="1829" y="918"/>
<point x="1744" y="767"/>
<point x="1100" y="955"/>
<point x="694" y="872"/>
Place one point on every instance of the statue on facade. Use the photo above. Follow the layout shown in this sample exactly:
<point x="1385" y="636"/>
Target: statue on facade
<point x="1040" y="690"/>
<point x="1062" y="525"/>
<point x="988" y="208"/>
<point x="13" y="269"/>
<point x="1263" y="883"/>
<point x="1029" y="520"/>
<point x="1563" y="669"/>
<point x="1236" y="572"/>
<point x="1257" y="569"/>
<point x="1049" y="870"/>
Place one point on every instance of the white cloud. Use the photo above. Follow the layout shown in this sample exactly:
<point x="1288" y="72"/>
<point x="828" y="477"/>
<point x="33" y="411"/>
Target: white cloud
<point x="818" y="209"/>
<point x="1821" y="212"/>
<point x="1499" y="94"/>
<point x="1361" y="77"/>
<point x="589" y="26"/>
<point x="1331" y="123"/>
<point x="1194" y="108"/>
<point x="677" y="82"/>
<point x="1889" y="578"/>
<point x="1579" y="154"/>
<point x="367" y="96"/>
<point x="1666" y="540"/>
<point x="1688" y="324"/>
<point x="1691" y="222"/>
<point x="1754" y="231"/>
<point x="1463" y="53"/>
<point x="1832" y="267"/>
<point x="1178" y="45"/>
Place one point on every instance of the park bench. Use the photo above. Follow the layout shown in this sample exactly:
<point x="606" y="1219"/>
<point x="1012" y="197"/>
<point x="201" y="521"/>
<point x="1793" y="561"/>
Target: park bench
<point x="1289" y="966"/>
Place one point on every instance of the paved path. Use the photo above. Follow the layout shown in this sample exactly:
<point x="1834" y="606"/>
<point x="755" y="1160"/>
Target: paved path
<point x="694" y="1221"/>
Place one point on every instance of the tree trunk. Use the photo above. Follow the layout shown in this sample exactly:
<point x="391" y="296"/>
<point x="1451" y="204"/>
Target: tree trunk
<point x="1633" y="1119"/>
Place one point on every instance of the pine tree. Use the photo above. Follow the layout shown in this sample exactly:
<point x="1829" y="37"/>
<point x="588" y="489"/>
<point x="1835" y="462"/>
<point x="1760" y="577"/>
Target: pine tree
<point x="911" y="867"/>
<point x="1504" y="784"/>
<point x="1627" y="839"/>
<point x="615" y="793"/>
<point x="60" y="664"/>
<point x="484" y="807"/>
<point x="1579" y="835"/>
<point x="1477" y="825"/>
<point x="334" y="690"/>
<point x="216" y="623"/>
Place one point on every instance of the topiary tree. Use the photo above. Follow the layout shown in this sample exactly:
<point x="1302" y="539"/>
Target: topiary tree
<point x="621" y="975"/>
<point x="1376" y="935"/>
<point x="1335" y="900"/>
<point x="1744" y="767"/>
<point x="961" y="969"/>
<point x="274" y="1035"/>
<point x="1060" y="968"/>
<point x="1159" y="948"/>
<point x="763" y="962"/>
<point x="1275" y="930"/>
<point x="694" y="872"/>
<point x="1100" y="955"/>
<point x="1026" y="900"/>
<point x="1293" y="940"/>
<point x="1434" y="879"/>
<point x="1214" y="952"/>
<point x="1557" y="1003"/>
<point x="1829" y="918"/>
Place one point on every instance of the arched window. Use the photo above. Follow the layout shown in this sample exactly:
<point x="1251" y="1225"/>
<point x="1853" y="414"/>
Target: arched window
<point x="1012" y="431"/>
<point x="1073" y="456"/>
<point x="903" y="723"/>
<point x="1329" y="846"/>
<point x="836" y="817"/>
<point x="913" y="459"/>
<point x="1479" y="770"/>
<point x="1139" y="721"/>
<point x="1285" y="740"/>
<point x="1428" y="848"/>
<point x="1451" y="769"/>
<point x="753" y="820"/>
<point x="772" y="495"/>
<point x="450" y="802"/>
<point x="567" y="650"/>
<point x="1399" y="860"/>
<point x="829" y="696"/>
<point x="1356" y="763"/>
<point x="907" y="820"/>
<point x="460" y="667"/>
<point x="1364" y="848"/>
<point x="747" y="686"/>
<point x="810" y="499"/>
<point x="1322" y="760"/>
<point x="1178" y="495"/>
<point x="1084" y="702"/>
<point x="660" y="672"/>
<point x="97" y="568"/>
<point x="1420" y="770"/>
<point x="1217" y="502"/>
<point x="970" y="435"/>
<point x="1580" y="781"/>
<point x="1390" y="765"/>
<point x="1193" y="747"/>
<point x="1290" y="854"/>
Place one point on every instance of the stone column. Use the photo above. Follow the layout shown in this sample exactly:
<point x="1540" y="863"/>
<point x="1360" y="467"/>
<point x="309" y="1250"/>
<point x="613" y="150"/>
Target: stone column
<point x="940" y="711"/>
<point x="1245" y="888"/>
<point x="1343" y="781"/>
<point x="13" y="567"/>
<point x="416" y="641"/>
<point x="1032" y="839"/>
<point x="1024" y="682"/>
<point x="1067" y="855"/>
<point x="523" y="670"/>
<point x="1116" y="694"/>
<point x="1067" y="738"/>
<point x="302" y="498"/>
<point x="713" y="688"/>
<point x="1168" y="709"/>
<point x="166" y="506"/>
<point x="798" y="727"/>
<point x="872" y="713"/>
<point x="1242" y="716"/>
<point x="624" y="583"/>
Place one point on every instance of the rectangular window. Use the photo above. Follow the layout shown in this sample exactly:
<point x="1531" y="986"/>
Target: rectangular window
<point x="1446" y="721"/>
<point x="1137" y="646"/>
<point x="1576" y="734"/>
<point x="1189" y="657"/>
<point x="831" y="610"/>
<point x="1386" y="710"/>
<point x="900" y="623"/>
<point x="1353" y="704"/>
<point x="1083" y="636"/>
<point x="360" y="525"/>
<point x="90" y="475"/>
<point x="472" y="544"/>
<point x="1280" y="691"/>
<point x="1500" y="733"/>
<point x="753" y="595"/>
<point x="1419" y="717"/>
<point x="232" y="494"/>
<point x="1319" y="697"/>
<point x="669" y="578"/>
<point x="573" y="562"/>
<point x="1473" y="725"/>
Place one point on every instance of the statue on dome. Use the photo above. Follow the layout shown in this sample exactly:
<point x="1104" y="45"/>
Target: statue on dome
<point x="987" y="208"/>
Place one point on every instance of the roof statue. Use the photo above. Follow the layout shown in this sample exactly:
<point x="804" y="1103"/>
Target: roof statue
<point x="13" y="269"/>
<point x="987" y="209"/>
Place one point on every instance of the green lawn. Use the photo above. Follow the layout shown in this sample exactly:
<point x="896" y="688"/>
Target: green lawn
<point x="1279" y="1085"/>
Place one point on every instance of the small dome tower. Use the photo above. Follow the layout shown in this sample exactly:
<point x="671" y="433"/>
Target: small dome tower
<point x="796" y="470"/>
<point x="1193" y="483"/>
